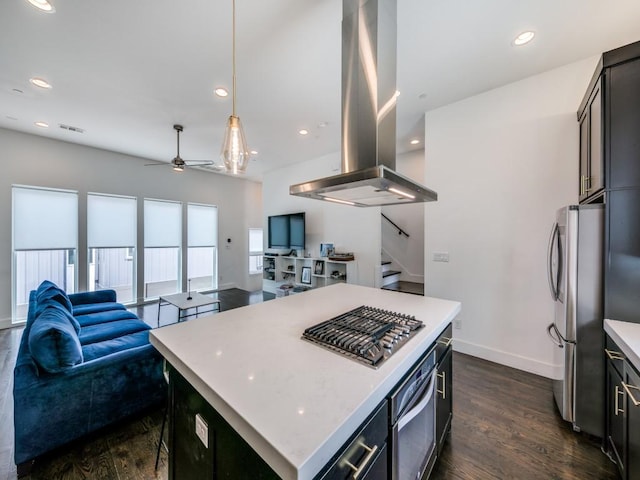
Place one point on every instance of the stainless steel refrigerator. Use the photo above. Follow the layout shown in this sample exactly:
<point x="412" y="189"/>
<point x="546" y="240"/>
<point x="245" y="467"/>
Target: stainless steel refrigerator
<point x="575" y="267"/>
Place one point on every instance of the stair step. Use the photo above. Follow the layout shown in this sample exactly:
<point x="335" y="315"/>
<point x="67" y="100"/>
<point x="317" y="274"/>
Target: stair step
<point x="406" y="287"/>
<point x="388" y="273"/>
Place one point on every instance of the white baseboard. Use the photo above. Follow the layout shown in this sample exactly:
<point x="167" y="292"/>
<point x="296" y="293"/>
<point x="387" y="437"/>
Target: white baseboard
<point x="508" y="359"/>
<point x="6" y="323"/>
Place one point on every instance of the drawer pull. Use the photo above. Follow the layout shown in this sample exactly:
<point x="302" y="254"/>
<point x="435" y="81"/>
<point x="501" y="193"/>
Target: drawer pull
<point x="445" y="341"/>
<point x="613" y="355"/>
<point x="357" y="471"/>
<point x="443" y="392"/>
<point x="628" y="389"/>
<point x="617" y="402"/>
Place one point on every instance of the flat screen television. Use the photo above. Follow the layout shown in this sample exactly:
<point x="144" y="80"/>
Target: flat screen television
<point x="287" y="231"/>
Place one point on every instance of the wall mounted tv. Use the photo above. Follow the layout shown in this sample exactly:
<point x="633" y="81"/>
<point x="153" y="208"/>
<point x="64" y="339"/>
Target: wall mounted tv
<point x="287" y="231"/>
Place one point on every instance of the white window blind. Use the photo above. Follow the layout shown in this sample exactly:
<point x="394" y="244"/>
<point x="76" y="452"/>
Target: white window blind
<point x="44" y="219"/>
<point x="162" y="223"/>
<point x="202" y="225"/>
<point x="111" y="221"/>
<point x="255" y="240"/>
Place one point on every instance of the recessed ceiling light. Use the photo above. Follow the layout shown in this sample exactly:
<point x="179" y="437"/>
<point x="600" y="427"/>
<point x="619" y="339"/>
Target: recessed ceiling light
<point x="40" y="82"/>
<point x="524" y="37"/>
<point x="303" y="131"/>
<point x="415" y="141"/>
<point x="41" y="124"/>
<point x="254" y="152"/>
<point x="323" y="124"/>
<point x="43" y="5"/>
<point x="221" y="92"/>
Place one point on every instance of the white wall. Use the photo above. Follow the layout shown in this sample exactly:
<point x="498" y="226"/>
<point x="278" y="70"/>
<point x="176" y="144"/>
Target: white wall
<point x="32" y="160"/>
<point x="407" y="253"/>
<point x="350" y="229"/>
<point x="502" y="162"/>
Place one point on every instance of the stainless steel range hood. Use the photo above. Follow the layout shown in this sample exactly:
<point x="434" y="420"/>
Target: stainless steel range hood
<point x="369" y="31"/>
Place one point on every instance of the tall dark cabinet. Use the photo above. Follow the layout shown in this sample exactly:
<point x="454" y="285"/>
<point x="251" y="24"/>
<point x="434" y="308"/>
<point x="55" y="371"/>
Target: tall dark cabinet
<point x="609" y="117"/>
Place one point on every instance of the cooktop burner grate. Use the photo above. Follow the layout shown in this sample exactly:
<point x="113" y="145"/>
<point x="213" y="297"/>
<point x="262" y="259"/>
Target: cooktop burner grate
<point x="367" y="334"/>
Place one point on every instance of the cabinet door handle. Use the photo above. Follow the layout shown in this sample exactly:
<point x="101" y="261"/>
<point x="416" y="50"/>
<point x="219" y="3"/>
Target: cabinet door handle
<point x="617" y="402"/>
<point x="357" y="471"/>
<point x="613" y="355"/>
<point x="445" y="341"/>
<point x="581" y="184"/>
<point x="628" y="389"/>
<point x="587" y="181"/>
<point x="443" y="392"/>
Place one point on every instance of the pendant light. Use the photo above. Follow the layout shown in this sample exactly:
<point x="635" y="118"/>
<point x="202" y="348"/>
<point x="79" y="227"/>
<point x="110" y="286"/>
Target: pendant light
<point x="234" y="153"/>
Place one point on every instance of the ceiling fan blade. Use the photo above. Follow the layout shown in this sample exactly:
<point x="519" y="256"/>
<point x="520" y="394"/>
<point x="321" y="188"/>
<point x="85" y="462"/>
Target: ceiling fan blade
<point x="157" y="164"/>
<point x="193" y="163"/>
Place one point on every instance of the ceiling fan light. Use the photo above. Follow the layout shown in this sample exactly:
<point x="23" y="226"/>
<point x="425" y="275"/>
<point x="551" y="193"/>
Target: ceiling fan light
<point x="235" y="153"/>
<point x="178" y="168"/>
<point x="43" y="5"/>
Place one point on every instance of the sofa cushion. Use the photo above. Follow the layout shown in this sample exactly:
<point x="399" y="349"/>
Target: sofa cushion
<point x="53" y="341"/>
<point x="104" y="317"/>
<point x="110" y="330"/>
<point x="50" y="291"/>
<point x="96" y="308"/>
<point x="106" y="347"/>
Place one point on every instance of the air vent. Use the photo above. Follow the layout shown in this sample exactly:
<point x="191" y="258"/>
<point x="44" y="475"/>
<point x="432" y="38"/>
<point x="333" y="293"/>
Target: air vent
<point x="71" y="129"/>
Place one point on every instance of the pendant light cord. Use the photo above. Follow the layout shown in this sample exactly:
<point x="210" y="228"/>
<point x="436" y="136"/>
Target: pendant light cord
<point x="234" y="57"/>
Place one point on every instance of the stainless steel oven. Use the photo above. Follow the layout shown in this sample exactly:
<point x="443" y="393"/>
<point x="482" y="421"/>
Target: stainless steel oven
<point x="413" y="422"/>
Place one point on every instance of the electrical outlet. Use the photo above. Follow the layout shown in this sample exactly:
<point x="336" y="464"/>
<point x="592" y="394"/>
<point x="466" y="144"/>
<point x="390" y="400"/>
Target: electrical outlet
<point x="441" y="256"/>
<point x="457" y="323"/>
<point x="202" y="430"/>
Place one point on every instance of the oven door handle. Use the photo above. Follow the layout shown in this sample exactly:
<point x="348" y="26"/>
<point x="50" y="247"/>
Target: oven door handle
<point x="420" y="406"/>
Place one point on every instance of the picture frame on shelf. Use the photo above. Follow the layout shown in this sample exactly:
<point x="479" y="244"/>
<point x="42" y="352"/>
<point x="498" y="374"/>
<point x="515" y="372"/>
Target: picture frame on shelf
<point x="318" y="267"/>
<point x="326" y="249"/>
<point x="306" y="275"/>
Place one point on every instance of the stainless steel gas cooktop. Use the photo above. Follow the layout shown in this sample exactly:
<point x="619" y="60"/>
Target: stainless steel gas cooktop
<point x="366" y="334"/>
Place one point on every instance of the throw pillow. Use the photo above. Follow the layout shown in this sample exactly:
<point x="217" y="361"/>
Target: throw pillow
<point x="53" y="341"/>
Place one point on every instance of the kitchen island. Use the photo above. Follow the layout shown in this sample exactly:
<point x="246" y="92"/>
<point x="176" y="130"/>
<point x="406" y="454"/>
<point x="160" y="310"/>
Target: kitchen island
<point x="294" y="403"/>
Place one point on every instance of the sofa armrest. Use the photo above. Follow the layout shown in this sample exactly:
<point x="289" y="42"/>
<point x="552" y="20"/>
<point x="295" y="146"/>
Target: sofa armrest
<point x="99" y="296"/>
<point x="51" y="410"/>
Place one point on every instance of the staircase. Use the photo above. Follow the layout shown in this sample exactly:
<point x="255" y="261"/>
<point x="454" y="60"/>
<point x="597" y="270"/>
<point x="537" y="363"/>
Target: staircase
<point x="391" y="280"/>
<point x="389" y="274"/>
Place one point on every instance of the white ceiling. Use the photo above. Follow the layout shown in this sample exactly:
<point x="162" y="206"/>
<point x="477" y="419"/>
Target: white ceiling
<point x="126" y="71"/>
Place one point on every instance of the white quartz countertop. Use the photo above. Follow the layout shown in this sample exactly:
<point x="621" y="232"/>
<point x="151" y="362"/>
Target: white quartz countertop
<point x="627" y="337"/>
<point x="293" y="402"/>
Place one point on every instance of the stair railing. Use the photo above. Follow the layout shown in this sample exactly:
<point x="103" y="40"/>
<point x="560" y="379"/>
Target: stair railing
<point x="400" y="230"/>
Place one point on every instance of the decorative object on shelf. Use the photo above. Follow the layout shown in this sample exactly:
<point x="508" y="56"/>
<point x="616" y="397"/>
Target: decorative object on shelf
<point x="306" y="275"/>
<point x="326" y="249"/>
<point x="290" y="268"/>
<point x="342" y="257"/>
<point x="189" y="297"/>
<point x="318" y="267"/>
<point x="235" y="152"/>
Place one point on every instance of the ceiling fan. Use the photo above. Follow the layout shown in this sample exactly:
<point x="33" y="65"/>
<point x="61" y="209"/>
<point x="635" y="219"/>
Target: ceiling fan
<point x="179" y="164"/>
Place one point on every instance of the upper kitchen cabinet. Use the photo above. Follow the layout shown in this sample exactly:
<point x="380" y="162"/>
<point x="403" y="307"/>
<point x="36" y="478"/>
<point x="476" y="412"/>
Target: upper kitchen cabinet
<point x="609" y="117"/>
<point x="591" y="164"/>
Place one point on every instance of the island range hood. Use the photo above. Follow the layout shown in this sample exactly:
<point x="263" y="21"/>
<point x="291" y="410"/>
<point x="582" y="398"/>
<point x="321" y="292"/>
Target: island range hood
<point x="369" y="31"/>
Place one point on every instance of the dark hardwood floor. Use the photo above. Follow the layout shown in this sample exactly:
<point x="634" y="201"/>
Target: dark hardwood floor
<point x="505" y="426"/>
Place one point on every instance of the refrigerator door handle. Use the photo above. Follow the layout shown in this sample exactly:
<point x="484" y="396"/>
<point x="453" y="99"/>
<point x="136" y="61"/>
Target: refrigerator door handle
<point x="554" y="282"/>
<point x="558" y="339"/>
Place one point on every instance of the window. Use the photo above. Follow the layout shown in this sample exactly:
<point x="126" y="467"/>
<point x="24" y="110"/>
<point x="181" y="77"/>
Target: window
<point x="45" y="242"/>
<point x="202" y="240"/>
<point x="255" y="251"/>
<point x="162" y="247"/>
<point x="111" y="239"/>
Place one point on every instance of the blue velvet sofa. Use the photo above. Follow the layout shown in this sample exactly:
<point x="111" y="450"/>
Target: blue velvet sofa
<point x="84" y="362"/>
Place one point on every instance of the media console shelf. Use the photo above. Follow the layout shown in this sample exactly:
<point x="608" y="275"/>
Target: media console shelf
<point x="321" y="272"/>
